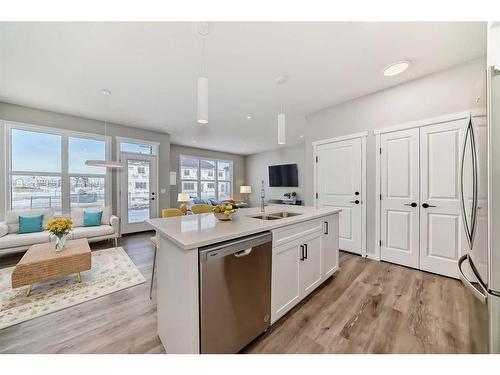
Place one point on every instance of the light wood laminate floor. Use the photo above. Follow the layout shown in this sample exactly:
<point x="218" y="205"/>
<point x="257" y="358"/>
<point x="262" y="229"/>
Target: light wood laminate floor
<point x="367" y="307"/>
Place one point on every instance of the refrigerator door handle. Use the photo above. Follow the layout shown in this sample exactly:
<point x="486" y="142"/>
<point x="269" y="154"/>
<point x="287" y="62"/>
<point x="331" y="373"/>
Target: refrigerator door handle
<point x="470" y="227"/>
<point x="481" y="295"/>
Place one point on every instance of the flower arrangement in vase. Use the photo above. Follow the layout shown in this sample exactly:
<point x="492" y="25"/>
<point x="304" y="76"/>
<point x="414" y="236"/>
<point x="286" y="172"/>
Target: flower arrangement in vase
<point x="60" y="228"/>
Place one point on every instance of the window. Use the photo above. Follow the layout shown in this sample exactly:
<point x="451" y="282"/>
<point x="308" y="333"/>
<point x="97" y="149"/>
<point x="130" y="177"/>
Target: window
<point x="136" y="148"/>
<point x="141" y="185"/>
<point x="35" y="170"/>
<point x="47" y="169"/>
<point x="212" y="178"/>
<point x="141" y="170"/>
<point x="87" y="184"/>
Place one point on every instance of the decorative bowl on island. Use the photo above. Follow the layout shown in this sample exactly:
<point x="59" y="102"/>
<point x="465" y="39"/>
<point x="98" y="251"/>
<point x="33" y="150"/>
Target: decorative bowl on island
<point x="224" y="212"/>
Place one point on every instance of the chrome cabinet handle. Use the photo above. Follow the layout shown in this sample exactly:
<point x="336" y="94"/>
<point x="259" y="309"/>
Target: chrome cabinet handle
<point x="427" y="205"/>
<point x="301" y="252"/>
<point x="305" y="246"/>
<point x="243" y="253"/>
<point x="326" y="227"/>
<point x="481" y="295"/>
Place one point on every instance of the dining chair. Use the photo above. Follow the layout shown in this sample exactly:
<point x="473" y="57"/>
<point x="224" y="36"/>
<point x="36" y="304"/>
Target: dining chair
<point x="201" y="208"/>
<point x="166" y="212"/>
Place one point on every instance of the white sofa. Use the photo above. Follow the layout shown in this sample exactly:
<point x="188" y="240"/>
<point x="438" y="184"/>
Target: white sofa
<point x="11" y="241"/>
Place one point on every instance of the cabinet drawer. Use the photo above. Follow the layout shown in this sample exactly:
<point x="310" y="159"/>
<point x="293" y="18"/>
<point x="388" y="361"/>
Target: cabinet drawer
<point x="290" y="233"/>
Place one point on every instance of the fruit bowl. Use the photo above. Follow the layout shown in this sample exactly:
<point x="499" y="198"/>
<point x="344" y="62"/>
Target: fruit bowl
<point x="224" y="212"/>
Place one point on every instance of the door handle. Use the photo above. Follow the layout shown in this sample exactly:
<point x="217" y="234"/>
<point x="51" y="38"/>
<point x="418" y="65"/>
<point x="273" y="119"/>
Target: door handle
<point x="356" y="193"/>
<point x="301" y="252"/>
<point x="153" y="198"/>
<point x="326" y="227"/>
<point x="413" y="204"/>
<point x="356" y="201"/>
<point x="426" y="205"/>
<point x="305" y="247"/>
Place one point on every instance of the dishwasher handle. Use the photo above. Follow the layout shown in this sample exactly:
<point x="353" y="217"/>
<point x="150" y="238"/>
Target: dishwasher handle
<point x="239" y="246"/>
<point x="243" y="253"/>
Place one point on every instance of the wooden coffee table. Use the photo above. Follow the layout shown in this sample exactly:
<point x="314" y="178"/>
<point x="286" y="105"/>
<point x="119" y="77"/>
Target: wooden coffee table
<point x="41" y="262"/>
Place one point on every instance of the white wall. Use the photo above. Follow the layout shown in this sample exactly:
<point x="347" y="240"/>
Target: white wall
<point x="12" y="112"/>
<point x="238" y="167"/>
<point x="257" y="170"/>
<point x="453" y="90"/>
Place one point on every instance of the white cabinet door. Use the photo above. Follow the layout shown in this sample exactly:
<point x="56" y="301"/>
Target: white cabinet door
<point x="329" y="246"/>
<point x="310" y="264"/>
<point x="285" y="289"/>
<point x="399" y="225"/>
<point x="338" y="181"/>
<point x="441" y="235"/>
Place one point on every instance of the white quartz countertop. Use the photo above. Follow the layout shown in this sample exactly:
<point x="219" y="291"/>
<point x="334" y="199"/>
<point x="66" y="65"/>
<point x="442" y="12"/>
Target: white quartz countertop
<point x="193" y="231"/>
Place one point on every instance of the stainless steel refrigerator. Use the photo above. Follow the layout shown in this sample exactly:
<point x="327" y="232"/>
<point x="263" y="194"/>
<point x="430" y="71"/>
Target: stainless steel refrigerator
<point x="480" y="197"/>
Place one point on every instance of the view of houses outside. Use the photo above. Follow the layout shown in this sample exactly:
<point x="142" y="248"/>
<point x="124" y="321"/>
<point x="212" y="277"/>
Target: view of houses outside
<point x="36" y="192"/>
<point x="30" y="192"/>
<point x="211" y="177"/>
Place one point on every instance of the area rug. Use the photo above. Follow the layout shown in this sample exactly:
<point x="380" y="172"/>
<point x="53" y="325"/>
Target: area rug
<point x="112" y="270"/>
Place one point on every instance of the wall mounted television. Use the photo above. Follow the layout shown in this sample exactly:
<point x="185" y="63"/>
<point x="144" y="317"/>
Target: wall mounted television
<point x="284" y="175"/>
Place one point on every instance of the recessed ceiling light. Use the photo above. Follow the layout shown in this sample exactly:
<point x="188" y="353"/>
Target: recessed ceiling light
<point x="396" y="68"/>
<point x="301" y="136"/>
<point x="249" y="117"/>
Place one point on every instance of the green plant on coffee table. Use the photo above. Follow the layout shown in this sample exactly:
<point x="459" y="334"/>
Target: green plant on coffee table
<point x="290" y="195"/>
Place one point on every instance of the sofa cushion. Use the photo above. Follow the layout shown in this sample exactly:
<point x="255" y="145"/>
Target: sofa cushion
<point x="213" y="201"/>
<point x="12" y="217"/>
<point x="88" y="232"/>
<point x="4" y="229"/>
<point x="27" y="239"/>
<point x="197" y="200"/>
<point x="77" y="215"/>
<point x="92" y="218"/>
<point x="30" y="224"/>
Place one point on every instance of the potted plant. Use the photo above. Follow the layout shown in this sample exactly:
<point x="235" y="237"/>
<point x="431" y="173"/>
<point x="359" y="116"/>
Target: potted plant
<point x="291" y="196"/>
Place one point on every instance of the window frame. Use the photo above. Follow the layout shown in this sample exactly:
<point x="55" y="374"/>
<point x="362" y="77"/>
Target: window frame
<point x="215" y="179"/>
<point x="64" y="174"/>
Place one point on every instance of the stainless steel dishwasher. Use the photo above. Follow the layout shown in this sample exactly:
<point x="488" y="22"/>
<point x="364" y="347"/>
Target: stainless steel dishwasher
<point x="235" y="292"/>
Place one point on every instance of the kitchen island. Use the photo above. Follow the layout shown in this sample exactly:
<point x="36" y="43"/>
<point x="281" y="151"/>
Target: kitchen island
<point x="304" y="255"/>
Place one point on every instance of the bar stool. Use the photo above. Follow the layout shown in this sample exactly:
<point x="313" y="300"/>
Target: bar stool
<point x="166" y="212"/>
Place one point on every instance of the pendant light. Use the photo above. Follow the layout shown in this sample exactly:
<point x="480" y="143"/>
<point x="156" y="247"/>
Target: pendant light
<point x="281" y="116"/>
<point x="202" y="93"/>
<point x="281" y="127"/>
<point x="104" y="163"/>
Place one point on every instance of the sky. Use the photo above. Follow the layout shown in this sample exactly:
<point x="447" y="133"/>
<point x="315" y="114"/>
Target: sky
<point x="41" y="152"/>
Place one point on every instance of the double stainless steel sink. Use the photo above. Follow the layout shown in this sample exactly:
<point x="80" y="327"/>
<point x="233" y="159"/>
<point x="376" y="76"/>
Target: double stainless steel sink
<point x="275" y="215"/>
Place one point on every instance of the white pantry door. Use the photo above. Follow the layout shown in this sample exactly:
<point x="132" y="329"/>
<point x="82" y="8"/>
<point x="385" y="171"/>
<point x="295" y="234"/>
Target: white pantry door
<point x="339" y="182"/>
<point x="441" y="235"/>
<point x="399" y="169"/>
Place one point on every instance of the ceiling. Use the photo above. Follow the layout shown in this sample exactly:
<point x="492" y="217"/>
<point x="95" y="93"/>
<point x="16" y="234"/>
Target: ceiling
<point x="152" y="69"/>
